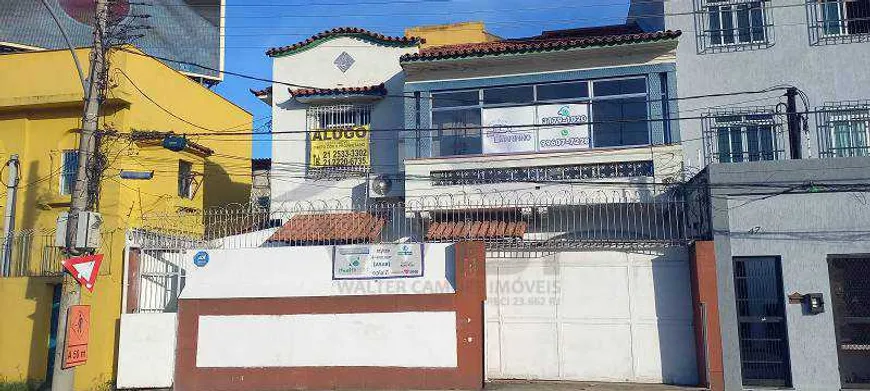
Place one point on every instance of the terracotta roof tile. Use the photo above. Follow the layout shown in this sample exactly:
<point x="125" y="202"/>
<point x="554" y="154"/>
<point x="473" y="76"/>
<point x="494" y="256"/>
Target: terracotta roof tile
<point x="476" y="229"/>
<point x="330" y="227"/>
<point x="379" y="89"/>
<point x="345" y="31"/>
<point x="534" y="45"/>
<point x="265" y="91"/>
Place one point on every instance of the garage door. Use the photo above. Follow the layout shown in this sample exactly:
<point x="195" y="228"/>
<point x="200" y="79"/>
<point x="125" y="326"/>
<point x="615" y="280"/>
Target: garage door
<point x="593" y="316"/>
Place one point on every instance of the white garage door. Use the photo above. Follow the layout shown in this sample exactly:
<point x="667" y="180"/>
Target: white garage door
<point x="594" y="316"/>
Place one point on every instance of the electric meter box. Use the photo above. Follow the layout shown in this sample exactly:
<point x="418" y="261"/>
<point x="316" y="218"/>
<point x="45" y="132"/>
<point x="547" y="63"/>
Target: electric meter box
<point x="87" y="231"/>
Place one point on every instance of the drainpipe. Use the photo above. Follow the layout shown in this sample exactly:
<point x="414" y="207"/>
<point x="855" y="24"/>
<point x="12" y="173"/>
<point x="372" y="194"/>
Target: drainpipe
<point x="9" y="217"/>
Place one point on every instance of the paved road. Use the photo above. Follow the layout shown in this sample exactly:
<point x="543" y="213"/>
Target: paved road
<point x="580" y="386"/>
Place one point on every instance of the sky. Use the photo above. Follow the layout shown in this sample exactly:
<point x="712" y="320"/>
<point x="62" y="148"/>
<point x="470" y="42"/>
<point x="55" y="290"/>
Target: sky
<point x="253" y="26"/>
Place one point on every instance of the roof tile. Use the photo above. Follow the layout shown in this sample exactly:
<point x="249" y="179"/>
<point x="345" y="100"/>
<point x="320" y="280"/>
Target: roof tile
<point x="476" y="229"/>
<point x="331" y="227"/>
<point x="379" y="89"/>
<point x="345" y="31"/>
<point x="533" y="45"/>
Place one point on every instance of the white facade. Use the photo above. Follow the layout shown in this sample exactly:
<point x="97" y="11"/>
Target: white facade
<point x="373" y="63"/>
<point x="146" y="350"/>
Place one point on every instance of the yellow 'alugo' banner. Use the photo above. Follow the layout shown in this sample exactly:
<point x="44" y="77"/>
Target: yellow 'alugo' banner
<point x="347" y="147"/>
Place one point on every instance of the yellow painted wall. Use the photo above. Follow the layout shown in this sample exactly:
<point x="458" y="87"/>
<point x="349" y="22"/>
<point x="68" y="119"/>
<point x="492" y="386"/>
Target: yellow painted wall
<point x="451" y="34"/>
<point x="40" y="109"/>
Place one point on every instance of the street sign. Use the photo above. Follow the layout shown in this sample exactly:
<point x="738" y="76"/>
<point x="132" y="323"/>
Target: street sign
<point x="200" y="259"/>
<point x="78" y="325"/>
<point x="84" y="269"/>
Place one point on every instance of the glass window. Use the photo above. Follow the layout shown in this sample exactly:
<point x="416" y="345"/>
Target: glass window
<point x="185" y="179"/>
<point x="453" y="136"/>
<point x="508" y="95"/>
<point x="620" y="87"/>
<point x="738" y="23"/>
<point x="618" y="122"/>
<point x="560" y="91"/>
<point x="850" y="137"/>
<point x="748" y="137"/>
<point x="456" y="99"/>
<point x="69" y="171"/>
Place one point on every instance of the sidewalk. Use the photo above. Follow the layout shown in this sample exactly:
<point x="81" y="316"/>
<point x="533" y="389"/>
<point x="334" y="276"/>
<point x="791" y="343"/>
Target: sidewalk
<point x="579" y="386"/>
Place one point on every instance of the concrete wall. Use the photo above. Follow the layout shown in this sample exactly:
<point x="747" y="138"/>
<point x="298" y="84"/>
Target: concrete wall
<point x="803" y="229"/>
<point x="146" y="350"/>
<point x="314" y="67"/>
<point x="835" y="72"/>
<point x="395" y="339"/>
<point x="314" y="339"/>
<point x="24" y="328"/>
<point x="304" y="272"/>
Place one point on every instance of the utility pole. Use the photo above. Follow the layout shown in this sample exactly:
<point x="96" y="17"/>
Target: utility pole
<point x="794" y="123"/>
<point x="9" y="216"/>
<point x="63" y="379"/>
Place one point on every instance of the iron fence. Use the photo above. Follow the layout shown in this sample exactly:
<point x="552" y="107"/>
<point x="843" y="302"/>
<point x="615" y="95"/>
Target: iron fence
<point x="30" y="253"/>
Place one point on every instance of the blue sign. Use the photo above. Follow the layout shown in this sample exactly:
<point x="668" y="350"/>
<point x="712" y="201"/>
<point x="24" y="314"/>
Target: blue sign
<point x="200" y="259"/>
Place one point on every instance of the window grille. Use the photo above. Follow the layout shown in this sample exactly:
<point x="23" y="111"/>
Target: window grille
<point x="334" y="117"/>
<point x="69" y="171"/>
<point x="844" y="129"/>
<point x="743" y="135"/>
<point x="732" y="25"/>
<point x="838" y="21"/>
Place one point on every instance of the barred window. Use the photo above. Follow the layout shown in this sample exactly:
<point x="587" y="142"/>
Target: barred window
<point x="741" y="135"/>
<point x="839" y="21"/>
<point x="732" y="25"/>
<point x="338" y="140"/>
<point x="844" y="129"/>
<point x="69" y="171"/>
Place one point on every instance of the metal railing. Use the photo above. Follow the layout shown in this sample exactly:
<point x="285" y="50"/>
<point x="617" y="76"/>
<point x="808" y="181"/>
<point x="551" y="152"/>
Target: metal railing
<point x="838" y="21"/>
<point x="30" y="253"/>
<point x="843" y="129"/>
<point x="744" y="134"/>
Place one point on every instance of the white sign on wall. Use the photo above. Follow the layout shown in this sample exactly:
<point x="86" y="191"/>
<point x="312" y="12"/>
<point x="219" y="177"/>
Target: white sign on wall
<point x="570" y="128"/>
<point x="377" y="261"/>
<point x="501" y="134"/>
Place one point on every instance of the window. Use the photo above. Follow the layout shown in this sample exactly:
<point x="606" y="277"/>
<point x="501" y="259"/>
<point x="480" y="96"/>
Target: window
<point x="845" y="130"/>
<point x="453" y="141"/>
<point x="185" y="179"/>
<point x="730" y="25"/>
<point x="563" y="91"/>
<point x="508" y="95"/>
<point x="69" y="171"/>
<point x="839" y="21"/>
<point x="742" y="135"/>
<point x="617" y="109"/>
<point x="263" y="202"/>
<point x="339" y="116"/>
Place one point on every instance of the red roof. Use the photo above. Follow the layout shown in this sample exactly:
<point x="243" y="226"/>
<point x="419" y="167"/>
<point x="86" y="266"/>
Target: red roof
<point x="346" y="31"/>
<point x="265" y="91"/>
<point x="379" y="89"/>
<point x="534" y="45"/>
<point x="476" y="229"/>
<point x="330" y="227"/>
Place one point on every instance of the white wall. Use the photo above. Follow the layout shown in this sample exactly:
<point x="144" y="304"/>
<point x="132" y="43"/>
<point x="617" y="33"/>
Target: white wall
<point x="374" y="64"/>
<point x="146" y="351"/>
<point x="398" y="339"/>
<point x="667" y="162"/>
<point x="591" y="316"/>
<point x="303" y="271"/>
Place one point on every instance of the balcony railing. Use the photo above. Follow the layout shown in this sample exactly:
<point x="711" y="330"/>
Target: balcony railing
<point x="844" y="129"/>
<point x="30" y="253"/>
<point x="743" y="135"/>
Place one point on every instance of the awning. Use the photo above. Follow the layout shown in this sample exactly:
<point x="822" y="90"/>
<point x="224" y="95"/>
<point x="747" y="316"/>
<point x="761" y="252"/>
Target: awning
<point x="330" y="227"/>
<point x="476" y="229"/>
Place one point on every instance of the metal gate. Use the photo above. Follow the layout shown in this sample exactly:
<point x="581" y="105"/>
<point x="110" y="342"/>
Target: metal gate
<point x="850" y="300"/>
<point x="764" y="353"/>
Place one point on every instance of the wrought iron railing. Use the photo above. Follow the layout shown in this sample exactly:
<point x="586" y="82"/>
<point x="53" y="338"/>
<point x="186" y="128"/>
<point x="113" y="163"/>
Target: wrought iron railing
<point x="743" y="135"/>
<point x="843" y="129"/>
<point x="838" y="21"/>
<point x="30" y="253"/>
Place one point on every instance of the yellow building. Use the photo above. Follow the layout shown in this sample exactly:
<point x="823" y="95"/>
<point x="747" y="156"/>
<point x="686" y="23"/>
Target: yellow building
<point x="40" y="112"/>
<point x="452" y="34"/>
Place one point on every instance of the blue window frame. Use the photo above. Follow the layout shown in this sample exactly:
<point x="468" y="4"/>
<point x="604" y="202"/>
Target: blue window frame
<point x="69" y="171"/>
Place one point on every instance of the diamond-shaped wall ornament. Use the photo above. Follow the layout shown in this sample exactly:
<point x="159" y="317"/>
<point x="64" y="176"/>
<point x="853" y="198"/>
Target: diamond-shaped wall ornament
<point x="344" y="61"/>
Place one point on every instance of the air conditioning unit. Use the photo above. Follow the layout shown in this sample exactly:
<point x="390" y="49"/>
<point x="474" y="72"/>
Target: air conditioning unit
<point x="87" y="230"/>
<point x="384" y="186"/>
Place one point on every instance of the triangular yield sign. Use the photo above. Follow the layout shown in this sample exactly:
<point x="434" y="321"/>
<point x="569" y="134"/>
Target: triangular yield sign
<point x="84" y="269"/>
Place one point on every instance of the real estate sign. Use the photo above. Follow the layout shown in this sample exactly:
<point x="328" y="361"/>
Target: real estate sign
<point x="347" y="147"/>
<point x="377" y="261"/>
<point x="569" y="130"/>
<point x="503" y="130"/>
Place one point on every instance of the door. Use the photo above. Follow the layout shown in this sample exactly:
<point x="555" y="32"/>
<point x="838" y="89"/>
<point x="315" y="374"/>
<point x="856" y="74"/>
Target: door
<point x="764" y="356"/>
<point x="591" y="316"/>
<point x="850" y="302"/>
